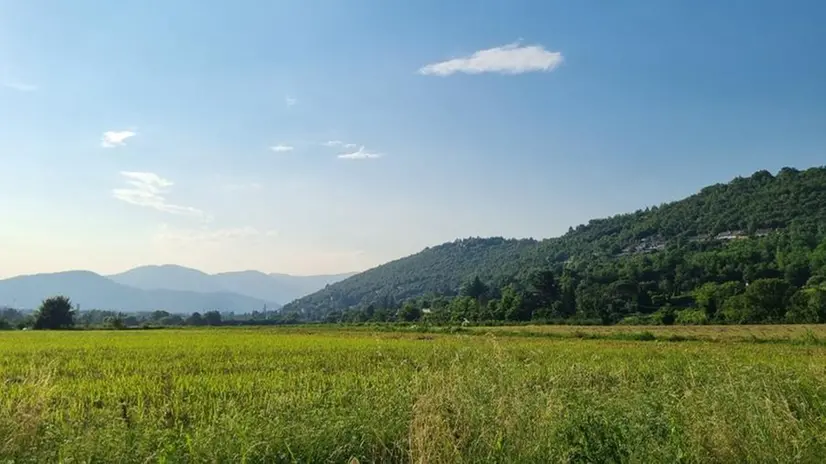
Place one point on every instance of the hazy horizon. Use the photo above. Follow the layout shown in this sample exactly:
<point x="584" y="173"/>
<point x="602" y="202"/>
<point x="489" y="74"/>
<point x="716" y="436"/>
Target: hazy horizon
<point x="105" y="274"/>
<point x="285" y="137"/>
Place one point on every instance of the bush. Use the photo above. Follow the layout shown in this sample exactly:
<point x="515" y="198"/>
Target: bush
<point x="692" y="317"/>
<point x="808" y="306"/>
<point x="664" y="316"/>
<point x="639" y="319"/>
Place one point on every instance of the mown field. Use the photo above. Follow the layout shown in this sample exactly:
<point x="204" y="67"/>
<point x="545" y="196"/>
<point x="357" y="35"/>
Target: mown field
<point x="485" y="395"/>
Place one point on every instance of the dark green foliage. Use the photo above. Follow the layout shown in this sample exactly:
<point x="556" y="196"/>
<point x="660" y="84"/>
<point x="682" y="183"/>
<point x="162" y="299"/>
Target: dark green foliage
<point x="766" y="300"/>
<point x="475" y="289"/>
<point x="737" y="252"/>
<point x="441" y="270"/>
<point x="171" y="320"/>
<point x="11" y="318"/>
<point x="409" y="312"/>
<point x="212" y="318"/>
<point x="55" y="313"/>
<point x="195" y="319"/>
<point x="808" y="306"/>
<point x="158" y="315"/>
<point x="115" y="322"/>
<point x="543" y="287"/>
<point x="711" y="296"/>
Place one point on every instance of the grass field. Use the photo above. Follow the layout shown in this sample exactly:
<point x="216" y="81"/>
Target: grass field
<point x="795" y="333"/>
<point x="325" y="395"/>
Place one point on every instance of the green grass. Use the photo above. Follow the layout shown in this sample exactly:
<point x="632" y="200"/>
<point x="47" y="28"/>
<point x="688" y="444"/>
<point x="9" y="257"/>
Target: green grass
<point x="327" y="395"/>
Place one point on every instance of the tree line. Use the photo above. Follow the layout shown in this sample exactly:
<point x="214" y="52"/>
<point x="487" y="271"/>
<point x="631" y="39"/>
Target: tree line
<point x="779" y="278"/>
<point x="58" y="313"/>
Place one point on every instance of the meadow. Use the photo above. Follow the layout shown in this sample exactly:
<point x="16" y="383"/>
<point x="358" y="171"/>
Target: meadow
<point x="481" y="395"/>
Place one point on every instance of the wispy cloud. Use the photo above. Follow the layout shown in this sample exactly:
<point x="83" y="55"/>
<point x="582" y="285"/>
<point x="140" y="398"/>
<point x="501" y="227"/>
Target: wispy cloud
<point x="10" y="79"/>
<point x="112" y="139"/>
<point x="339" y="143"/>
<point x="17" y="85"/>
<point x="290" y="101"/>
<point x="360" y="154"/>
<point x="148" y="189"/>
<point x="507" y="59"/>
<point x="282" y="148"/>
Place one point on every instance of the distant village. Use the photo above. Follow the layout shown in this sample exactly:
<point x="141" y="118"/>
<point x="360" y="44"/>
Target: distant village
<point x="658" y="243"/>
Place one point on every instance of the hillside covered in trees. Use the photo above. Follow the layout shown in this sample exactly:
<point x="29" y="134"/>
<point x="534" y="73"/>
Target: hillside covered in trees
<point x="751" y="250"/>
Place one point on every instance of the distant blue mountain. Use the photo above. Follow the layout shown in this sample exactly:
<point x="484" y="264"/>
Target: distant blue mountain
<point x="279" y="288"/>
<point x="93" y="291"/>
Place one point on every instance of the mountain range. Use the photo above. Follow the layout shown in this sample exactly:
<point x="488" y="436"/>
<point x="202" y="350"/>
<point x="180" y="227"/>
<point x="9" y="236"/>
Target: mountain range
<point x="172" y="288"/>
<point x="672" y="237"/>
<point x="279" y="288"/>
<point x="745" y="207"/>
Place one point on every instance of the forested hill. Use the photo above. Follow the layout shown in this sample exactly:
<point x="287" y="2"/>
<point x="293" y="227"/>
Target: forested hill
<point x="757" y="208"/>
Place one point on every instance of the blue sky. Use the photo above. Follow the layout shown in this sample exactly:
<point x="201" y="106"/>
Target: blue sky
<point x="199" y="132"/>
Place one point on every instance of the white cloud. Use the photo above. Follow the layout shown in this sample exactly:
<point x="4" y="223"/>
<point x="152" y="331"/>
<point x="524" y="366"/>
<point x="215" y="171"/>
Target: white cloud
<point x="112" y="139"/>
<point x="148" y="190"/>
<point x="281" y="148"/>
<point x="339" y="143"/>
<point x="290" y="101"/>
<point x="359" y="155"/>
<point x="507" y="59"/>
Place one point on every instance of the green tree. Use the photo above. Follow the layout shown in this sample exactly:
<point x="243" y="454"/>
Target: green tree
<point x="494" y="312"/>
<point x="797" y="271"/>
<point x="333" y="317"/>
<point x="370" y="311"/>
<point x="114" y="322"/>
<point x="817" y="259"/>
<point x="543" y="287"/>
<point x="807" y="306"/>
<point x="475" y="289"/>
<point x="568" y="284"/>
<point x="158" y="315"/>
<point x="711" y="296"/>
<point x="463" y="307"/>
<point x="55" y="313"/>
<point x="764" y="300"/>
<point x="195" y="319"/>
<point x="212" y="318"/>
<point x="172" y="320"/>
<point x="592" y="302"/>
<point x="512" y="305"/>
<point x="409" y="312"/>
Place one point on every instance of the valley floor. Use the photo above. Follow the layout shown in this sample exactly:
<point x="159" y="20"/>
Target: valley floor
<point x="492" y="394"/>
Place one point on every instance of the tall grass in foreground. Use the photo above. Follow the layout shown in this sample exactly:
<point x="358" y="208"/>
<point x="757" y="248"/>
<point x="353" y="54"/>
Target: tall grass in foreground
<point x="270" y="395"/>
